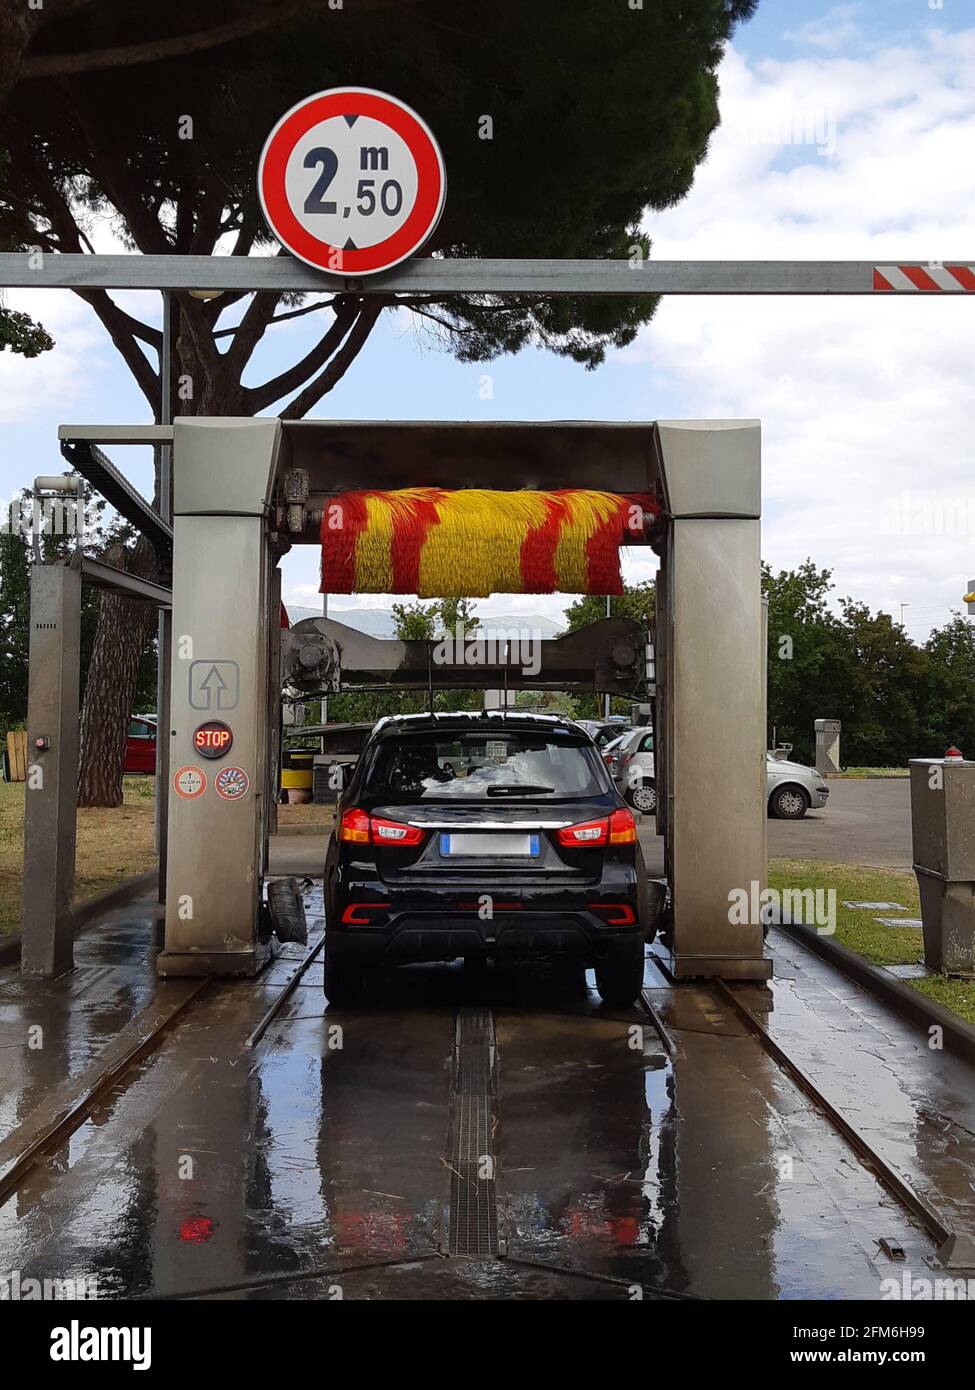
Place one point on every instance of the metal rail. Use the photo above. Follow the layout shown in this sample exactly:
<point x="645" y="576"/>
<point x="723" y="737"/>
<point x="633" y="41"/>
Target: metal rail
<point x="894" y="1182"/>
<point x="255" y="1037"/>
<point x="53" y="1135"/>
<point x="435" y="277"/>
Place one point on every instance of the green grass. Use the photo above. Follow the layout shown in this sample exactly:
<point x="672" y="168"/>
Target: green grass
<point x="956" y="995"/>
<point x="112" y="845"/>
<point x="857" y="929"/>
<point x="873" y="772"/>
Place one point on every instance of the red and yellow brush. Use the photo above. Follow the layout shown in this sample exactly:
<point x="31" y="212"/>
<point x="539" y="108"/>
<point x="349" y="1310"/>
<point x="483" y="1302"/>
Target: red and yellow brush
<point x="474" y="542"/>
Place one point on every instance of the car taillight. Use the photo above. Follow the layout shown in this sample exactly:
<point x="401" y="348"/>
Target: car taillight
<point x="354" y="826"/>
<point x="393" y="832"/>
<point x="362" y="829"/>
<point x="587" y="834"/>
<point x="622" y="827"/>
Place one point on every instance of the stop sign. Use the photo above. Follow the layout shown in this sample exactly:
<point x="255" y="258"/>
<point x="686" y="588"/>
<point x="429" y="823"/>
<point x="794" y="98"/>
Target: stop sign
<point x="351" y="181"/>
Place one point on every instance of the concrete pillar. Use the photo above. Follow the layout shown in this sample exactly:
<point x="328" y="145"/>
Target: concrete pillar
<point x="713" y="654"/>
<point x="223" y="474"/>
<point x="942" y="821"/>
<point x="51" y="793"/>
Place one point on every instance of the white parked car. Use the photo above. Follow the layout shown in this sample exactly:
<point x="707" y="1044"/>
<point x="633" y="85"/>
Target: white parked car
<point x="792" y="787"/>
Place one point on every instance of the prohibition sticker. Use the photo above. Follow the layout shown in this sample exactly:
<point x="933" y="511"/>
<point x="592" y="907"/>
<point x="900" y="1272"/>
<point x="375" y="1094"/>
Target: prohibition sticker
<point x="190" y="782"/>
<point x="231" y="783"/>
<point x="352" y="181"/>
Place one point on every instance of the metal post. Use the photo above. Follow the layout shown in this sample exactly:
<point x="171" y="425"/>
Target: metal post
<point x="713" y="737"/>
<point x="607" y="697"/>
<point x="275" y="733"/>
<point x="224" y="472"/>
<point x="165" y="622"/>
<point x="52" y="772"/>
<point x="324" y="697"/>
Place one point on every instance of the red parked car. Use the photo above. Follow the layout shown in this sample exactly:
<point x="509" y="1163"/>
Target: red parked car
<point x="140" y="748"/>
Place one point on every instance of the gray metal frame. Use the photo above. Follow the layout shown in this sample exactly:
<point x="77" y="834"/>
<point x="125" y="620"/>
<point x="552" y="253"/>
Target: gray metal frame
<point x="52" y="771"/>
<point x="426" y="275"/>
<point x="103" y="576"/>
<point x="99" y="470"/>
<point x="50" y="837"/>
<point x="54" y="670"/>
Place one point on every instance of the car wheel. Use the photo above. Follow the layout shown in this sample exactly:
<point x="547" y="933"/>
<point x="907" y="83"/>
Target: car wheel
<point x="643" y="797"/>
<point x="619" y="974"/>
<point x="788" y="803"/>
<point x="344" y="980"/>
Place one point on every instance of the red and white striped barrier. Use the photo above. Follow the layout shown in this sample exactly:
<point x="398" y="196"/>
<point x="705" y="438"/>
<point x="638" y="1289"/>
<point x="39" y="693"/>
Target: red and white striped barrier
<point x="933" y="278"/>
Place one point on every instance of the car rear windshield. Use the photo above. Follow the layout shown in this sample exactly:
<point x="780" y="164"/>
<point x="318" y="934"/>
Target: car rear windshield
<point x="485" y="766"/>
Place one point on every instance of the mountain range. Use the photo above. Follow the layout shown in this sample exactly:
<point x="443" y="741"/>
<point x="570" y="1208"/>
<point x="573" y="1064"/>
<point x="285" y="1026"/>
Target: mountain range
<point x="379" y="622"/>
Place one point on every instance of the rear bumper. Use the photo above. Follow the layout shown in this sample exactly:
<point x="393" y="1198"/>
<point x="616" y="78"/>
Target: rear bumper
<point x="410" y="934"/>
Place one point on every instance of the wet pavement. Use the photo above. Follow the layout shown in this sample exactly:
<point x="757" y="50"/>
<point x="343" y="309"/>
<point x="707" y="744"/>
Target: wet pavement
<point x="343" y="1155"/>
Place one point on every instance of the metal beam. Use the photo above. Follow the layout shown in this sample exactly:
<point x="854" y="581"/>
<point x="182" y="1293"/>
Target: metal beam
<point x="105" y="478"/>
<point x="103" y="576"/>
<point x="426" y="276"/>
<point x="116" y="434"/>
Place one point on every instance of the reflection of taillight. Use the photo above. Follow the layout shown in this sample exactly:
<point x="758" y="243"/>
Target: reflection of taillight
<point x="393" y="832"/>
<point x="354" y="826"/>
<point x="622" y="827"/>
<point x="352" y="916"/>
<point x="587" y="834"/>
<point x="617" y="914"/>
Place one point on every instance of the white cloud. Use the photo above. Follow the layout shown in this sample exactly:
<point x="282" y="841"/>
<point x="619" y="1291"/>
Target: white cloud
<point x="837" y="28"/>
<point x="863" y="400"/>
<point x="29" y="387"/>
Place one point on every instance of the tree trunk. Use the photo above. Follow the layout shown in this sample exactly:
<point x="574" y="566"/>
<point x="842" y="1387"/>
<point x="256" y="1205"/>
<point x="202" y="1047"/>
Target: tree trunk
<point x="123" y="629"/>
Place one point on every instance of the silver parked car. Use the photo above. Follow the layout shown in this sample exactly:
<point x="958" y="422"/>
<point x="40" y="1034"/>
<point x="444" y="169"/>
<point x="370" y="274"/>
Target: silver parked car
<point x="605" y="731"/>
<point x="792" y="787"/>
<point x="632" y="767"/>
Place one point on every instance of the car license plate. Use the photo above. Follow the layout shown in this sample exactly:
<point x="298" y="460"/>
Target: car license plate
<point x="474" y="846"/>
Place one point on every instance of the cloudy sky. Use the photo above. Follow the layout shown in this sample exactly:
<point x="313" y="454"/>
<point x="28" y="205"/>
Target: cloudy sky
<point x="847" y="132"/>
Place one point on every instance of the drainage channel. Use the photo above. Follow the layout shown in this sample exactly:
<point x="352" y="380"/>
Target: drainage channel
<point x="472" y="1226"/>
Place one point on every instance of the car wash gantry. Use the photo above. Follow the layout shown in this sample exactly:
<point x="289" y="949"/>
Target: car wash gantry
<point x="445" y="508"/>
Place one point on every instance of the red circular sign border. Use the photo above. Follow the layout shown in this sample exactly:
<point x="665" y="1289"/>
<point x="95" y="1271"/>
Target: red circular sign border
<point x="431" y="180"/>
<point x="231" y="767"/>
<point x="189" y="767"/>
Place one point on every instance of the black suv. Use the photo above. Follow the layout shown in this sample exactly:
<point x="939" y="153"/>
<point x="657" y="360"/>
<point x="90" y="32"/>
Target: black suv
<point x="477" y="835"/>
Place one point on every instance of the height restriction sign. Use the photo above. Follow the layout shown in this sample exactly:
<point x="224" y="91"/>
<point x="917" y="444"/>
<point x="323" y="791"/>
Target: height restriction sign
<point x="351" y="181"/>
